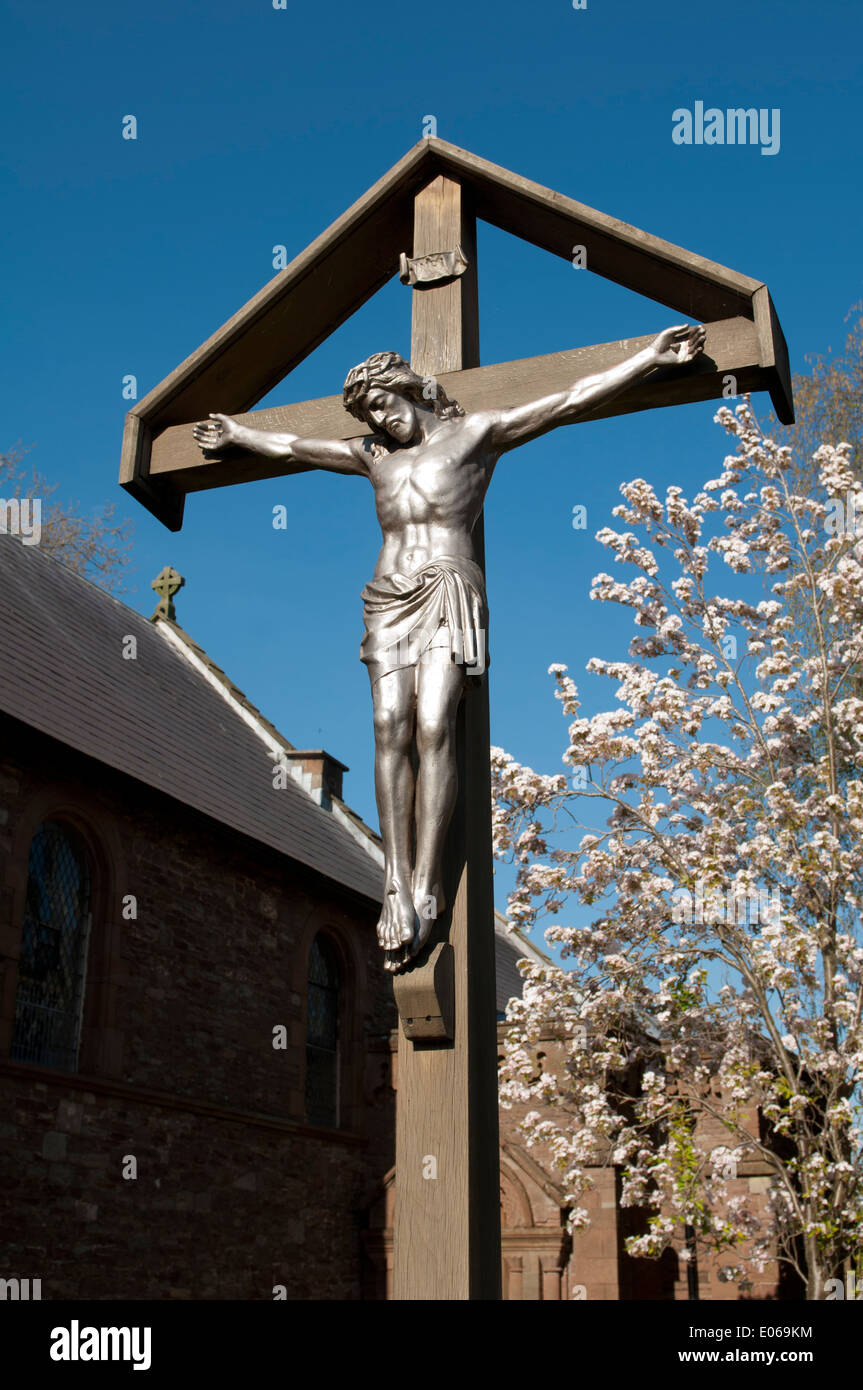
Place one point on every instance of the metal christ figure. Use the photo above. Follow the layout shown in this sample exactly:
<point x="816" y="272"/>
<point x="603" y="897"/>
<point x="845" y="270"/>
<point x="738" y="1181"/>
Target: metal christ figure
<point x="425" y="609"/>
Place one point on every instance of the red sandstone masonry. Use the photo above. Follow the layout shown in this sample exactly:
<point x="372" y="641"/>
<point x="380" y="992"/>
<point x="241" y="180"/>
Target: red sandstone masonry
<point x="234" y="1193"/>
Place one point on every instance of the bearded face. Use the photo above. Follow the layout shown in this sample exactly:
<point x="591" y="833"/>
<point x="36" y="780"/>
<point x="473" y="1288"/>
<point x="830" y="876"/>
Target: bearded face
<point x="390" y="413"/>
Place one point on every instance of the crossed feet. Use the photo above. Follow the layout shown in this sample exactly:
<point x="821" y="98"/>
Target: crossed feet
<point x="407" y="919"/>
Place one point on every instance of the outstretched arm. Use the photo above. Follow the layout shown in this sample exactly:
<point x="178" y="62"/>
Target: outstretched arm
<point x="674" y="347"/>
<point x="298" y="454"/>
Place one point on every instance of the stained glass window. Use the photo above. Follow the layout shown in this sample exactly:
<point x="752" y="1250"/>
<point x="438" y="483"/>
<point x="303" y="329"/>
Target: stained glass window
<point x="322" y="1036"/>
<point x="53" y="958"/>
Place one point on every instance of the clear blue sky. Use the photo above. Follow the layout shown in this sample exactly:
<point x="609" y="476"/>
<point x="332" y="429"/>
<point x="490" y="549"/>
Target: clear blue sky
<point x="259" y="126"/>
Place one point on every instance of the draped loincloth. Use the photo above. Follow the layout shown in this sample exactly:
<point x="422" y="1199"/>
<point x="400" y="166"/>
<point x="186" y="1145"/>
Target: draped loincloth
<point x="441" y="604"/>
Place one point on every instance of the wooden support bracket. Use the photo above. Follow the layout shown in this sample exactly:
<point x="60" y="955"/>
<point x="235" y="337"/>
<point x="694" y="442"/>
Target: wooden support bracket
<point x="425" y="997"/>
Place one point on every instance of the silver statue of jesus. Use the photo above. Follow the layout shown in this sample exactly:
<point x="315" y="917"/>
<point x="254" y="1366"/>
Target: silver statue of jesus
<point x="425" y="609"/>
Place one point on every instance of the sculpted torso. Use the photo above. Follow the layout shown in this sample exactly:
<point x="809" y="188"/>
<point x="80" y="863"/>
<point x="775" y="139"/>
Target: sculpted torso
<point x="428" y="495"/>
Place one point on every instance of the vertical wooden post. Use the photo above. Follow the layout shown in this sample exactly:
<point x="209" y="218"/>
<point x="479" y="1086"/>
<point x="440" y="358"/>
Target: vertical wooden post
<point x="447" y="1216"/>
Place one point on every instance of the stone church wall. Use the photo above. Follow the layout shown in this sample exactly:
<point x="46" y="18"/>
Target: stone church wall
<point x="234" y="1193"/>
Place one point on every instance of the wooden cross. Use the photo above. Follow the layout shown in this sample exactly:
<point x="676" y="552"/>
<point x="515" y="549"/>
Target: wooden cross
<point x="167" y="583"/>
<point x="447" y="1225"/>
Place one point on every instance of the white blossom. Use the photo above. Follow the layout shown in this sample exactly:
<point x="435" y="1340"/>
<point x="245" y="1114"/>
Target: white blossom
<point x="719" y="857"/>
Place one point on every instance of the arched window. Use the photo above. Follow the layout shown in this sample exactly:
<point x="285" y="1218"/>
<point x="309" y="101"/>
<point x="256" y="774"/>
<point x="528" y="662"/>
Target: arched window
<point x="53" y="962"/>
<point x="322" y="1036"/>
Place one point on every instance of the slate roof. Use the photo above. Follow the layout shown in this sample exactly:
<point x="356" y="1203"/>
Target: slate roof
<point x="154" y="718"/>
<point x="509" y="948"/>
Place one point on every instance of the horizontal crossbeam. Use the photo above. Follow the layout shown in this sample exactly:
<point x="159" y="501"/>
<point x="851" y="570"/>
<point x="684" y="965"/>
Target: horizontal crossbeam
<point x="171" y="465"/>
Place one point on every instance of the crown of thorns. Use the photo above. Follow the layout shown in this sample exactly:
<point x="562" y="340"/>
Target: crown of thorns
<point x="390" y="372"/>
<point x="377" y="370"/>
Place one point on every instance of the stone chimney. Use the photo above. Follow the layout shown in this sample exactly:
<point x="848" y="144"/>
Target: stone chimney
<point x="318" y="771"/>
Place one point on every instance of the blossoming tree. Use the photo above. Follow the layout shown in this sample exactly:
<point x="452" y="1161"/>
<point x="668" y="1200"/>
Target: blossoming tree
<point x="723" y="870"/>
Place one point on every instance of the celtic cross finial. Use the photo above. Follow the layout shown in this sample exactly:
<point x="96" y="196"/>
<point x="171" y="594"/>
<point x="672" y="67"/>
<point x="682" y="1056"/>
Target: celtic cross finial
<point x="166" y="584"/>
